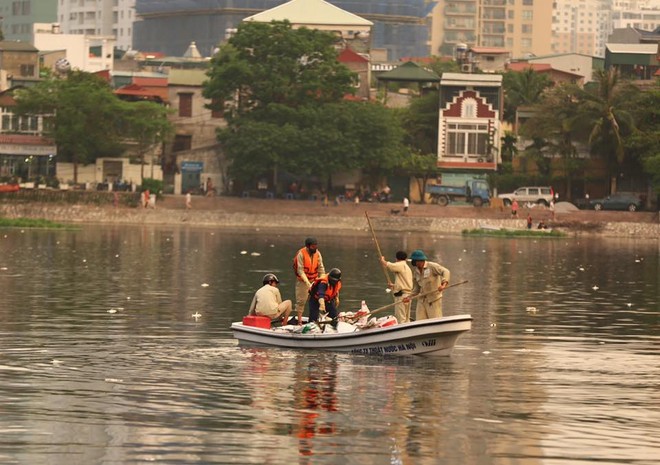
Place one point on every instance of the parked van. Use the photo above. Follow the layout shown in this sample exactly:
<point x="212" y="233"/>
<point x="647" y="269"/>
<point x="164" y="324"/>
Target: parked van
<point x="540" y="195"/>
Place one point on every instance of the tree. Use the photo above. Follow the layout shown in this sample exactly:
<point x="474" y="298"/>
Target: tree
<point x="509" y="148"/>
<point x="522" y="88"/>
<point x="275" y="64"/>
<point x="554" y="131"/>
<point x="313" y="140"/>
<point x="284" y="89"/>
<point x="603" y="115"/>
<point x="644" y="143"/>
<point x="421" y="166"/>
<point x="420" y="121"/>
<point x="85" y="118"/>
<point x="147" y="125"/>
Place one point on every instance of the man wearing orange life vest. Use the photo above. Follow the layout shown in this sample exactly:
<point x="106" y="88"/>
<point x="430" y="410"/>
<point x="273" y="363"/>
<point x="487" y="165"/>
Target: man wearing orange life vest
<point x="324" y="295"/>
<point x="308" y="265"/>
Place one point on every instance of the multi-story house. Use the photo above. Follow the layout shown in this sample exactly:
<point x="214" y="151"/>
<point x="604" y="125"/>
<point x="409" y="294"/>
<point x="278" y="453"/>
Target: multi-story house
<point x="470" y="122"/>
<point x="25" y="153"/>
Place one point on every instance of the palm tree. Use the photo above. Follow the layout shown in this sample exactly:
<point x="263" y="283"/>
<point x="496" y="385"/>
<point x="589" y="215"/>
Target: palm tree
<point x="522" y="88"/>
<point x="602" y="114"/>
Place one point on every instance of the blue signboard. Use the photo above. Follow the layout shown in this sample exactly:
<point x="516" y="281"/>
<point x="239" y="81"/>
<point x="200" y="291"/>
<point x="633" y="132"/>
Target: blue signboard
<point x="195" y="166"/>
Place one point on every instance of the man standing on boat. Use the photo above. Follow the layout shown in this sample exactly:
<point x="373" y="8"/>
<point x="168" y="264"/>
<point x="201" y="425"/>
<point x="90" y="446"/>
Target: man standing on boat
<point x="268" y="302"/>
<point x="307" y="265"/>
<point x="429" y="279"/>
<point x="402" y="286"/>
<point x="324" y="295"/>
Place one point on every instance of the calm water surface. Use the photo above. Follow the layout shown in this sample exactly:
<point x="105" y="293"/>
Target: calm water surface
<point x="101" y="361"/>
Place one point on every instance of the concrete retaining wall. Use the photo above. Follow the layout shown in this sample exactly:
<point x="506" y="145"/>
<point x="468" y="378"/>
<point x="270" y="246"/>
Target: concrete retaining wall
<point x="78" y="214"/>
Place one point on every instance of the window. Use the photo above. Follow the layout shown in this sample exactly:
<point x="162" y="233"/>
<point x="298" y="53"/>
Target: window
<point x="182" y="143"/>
<point x="467" y="140"/>
<point x="27" y="70"/>
<point x="185" y="104"/>
<point x="527" y="15"/>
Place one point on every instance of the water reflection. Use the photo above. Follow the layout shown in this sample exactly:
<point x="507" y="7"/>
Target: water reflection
<point x="575" y="381"/>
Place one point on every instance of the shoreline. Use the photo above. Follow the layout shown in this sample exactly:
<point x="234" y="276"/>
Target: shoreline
<point x="236" y="213"/>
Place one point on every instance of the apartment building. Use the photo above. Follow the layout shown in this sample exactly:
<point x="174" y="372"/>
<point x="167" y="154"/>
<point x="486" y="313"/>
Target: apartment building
<point x="520" y="26"/>
<point x="18" y="16"/>
<point x="644" y="15"/>
<point x="99" y="18"/>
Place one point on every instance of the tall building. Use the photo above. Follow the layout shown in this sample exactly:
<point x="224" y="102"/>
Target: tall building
<point x="644" y="15"/>
<point x="401" y="27"/>
<point x="98" y="18"/>
<point x="520" y="26"/>
<point x="581" y="27"/>
<point x="17" y="17"/>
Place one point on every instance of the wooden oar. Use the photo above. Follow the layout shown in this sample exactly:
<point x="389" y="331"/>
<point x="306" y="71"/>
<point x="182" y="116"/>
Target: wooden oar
<point x="380" y="254"/>
<point x="385" y="307"/>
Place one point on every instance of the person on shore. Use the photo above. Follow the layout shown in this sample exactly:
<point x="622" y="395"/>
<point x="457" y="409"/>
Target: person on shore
<point x="307" y="266"/>
<point x="324" y="295"/>
<point x="552" y="209"/>
<point x="430" y="279"/>
<point x="529" y="221"/>
<point x="402" y="286"/>
<point x="406" y="205"/>
<point x="188" y="200"/>
<point x="267" y="301"/>
<point x="145" y="198"/>
<point x="514" y="209"/>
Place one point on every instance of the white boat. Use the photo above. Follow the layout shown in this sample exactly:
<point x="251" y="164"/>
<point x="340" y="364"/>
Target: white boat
<point x="435" y="336"/>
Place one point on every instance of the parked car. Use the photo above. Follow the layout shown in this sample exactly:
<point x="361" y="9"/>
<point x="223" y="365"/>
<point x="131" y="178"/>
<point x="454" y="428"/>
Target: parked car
<point x="618" y="201"/>
<point x="541" y="195"/>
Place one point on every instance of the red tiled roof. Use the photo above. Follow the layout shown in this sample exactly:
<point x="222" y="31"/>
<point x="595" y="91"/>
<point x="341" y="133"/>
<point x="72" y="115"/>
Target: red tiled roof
<point x="349" y="56"/>
<point x="135" y="90"/>
<point x="150" y="81"/>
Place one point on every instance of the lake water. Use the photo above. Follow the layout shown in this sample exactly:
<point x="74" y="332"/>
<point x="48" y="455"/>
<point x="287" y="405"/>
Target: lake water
<point x="102" y="362"/>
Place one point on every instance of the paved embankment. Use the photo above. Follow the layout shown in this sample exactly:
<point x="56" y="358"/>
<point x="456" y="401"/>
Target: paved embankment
<point x="78" y="214"/>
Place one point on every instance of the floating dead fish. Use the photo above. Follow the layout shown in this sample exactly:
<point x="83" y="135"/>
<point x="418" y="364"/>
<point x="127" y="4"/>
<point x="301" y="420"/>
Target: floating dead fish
<point x="205" y="284"/>
<point x="196" y="315"/>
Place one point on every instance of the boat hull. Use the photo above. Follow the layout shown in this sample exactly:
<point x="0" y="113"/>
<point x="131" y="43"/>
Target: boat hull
<point x="436" y="336"/>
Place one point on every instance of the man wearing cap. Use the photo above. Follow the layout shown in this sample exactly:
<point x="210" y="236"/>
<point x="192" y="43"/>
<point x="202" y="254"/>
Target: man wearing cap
<point x="307" y="265"/>
<point x="430" y="279"/>
<point x="402" y="286"/>
<point x="268" y="302"/>
<point x="324" y="295"/>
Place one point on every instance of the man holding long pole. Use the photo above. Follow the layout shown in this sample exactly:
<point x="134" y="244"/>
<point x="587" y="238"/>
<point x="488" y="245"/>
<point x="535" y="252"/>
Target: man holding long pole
<point x="402" y="286"/>
<point x="430" y="279"/>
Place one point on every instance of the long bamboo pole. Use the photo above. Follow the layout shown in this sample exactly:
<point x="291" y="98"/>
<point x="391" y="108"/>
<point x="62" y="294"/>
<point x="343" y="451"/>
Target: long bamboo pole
<point x="380" y="254"/>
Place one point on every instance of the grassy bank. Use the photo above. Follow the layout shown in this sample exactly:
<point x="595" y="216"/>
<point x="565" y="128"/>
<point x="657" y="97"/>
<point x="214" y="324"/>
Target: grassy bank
<point x="31" y="223"/>
<point x="513" y="232"/>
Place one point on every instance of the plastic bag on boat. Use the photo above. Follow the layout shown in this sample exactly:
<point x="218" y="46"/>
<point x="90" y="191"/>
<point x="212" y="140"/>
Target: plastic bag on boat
<point x="389" y="320"/>
<point x="344" y="327"/>
<point x="311" y="328"/>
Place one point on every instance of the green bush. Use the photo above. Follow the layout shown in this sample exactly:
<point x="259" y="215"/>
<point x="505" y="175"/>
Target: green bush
<point x="152" y="185"/>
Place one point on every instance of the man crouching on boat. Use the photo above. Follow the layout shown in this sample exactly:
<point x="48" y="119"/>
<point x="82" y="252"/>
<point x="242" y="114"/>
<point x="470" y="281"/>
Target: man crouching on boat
<point x="324" y="295"/>
<point x="268" y="302"/>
